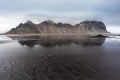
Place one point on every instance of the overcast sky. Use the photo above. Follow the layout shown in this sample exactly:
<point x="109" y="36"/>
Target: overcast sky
<point x="13" y="12"/>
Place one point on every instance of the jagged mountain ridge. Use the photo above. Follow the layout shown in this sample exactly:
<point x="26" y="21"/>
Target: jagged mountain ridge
<point x="91" y="27"/>
<point x="49" y="27"/>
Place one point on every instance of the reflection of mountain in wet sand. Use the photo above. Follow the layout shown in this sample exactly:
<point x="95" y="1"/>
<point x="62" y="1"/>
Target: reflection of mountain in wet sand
<point x="59" y="40"/>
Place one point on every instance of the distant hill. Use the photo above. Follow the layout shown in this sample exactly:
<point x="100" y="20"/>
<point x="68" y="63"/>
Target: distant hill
<point x="49" y="27"/>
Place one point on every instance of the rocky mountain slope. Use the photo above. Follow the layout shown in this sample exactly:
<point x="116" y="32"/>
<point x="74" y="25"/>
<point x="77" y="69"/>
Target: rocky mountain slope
<point x="49" y="27"/>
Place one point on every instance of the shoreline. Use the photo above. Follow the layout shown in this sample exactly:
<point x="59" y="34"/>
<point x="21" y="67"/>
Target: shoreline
<point x="80" y="34"/>
<point x="73" y="34"/>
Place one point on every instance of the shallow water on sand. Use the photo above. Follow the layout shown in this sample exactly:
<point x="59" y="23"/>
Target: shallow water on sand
<point x="59" y="58"/>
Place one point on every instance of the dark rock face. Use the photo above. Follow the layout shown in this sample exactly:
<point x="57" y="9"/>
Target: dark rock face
<point x="49" y="27"/>
<point x="91" y="27"/>
<point x="95" y="23"/>
<point x="27" y="27"/>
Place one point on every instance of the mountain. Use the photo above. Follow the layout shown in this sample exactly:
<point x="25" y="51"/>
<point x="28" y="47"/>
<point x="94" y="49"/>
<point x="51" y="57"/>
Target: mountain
<point x="49" y="27"/>
<point x="91" y="27"/>
<point x="28" y="27"/>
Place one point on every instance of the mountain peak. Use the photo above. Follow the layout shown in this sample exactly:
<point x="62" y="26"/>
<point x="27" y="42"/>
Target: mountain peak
<point x="29" y="22"/>
<point x="48" y="22"/>
<point x="90" y="22"/>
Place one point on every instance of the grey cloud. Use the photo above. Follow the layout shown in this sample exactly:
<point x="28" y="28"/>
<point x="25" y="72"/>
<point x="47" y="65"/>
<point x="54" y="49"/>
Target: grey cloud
<point x="65" y="10"/>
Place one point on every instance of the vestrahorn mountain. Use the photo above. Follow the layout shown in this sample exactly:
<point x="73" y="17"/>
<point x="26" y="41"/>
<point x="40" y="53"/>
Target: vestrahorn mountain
<point x="49" y="27"/>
